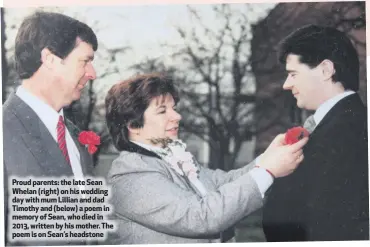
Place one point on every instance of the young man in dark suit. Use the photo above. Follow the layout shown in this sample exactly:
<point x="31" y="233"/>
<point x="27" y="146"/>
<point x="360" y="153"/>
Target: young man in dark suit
<point x="326" y="198"/>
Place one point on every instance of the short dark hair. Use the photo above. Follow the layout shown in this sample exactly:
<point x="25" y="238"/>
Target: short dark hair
<point x="316" y="43"/>
<point x="50" y="30"/>
<point x="127" y="101"/>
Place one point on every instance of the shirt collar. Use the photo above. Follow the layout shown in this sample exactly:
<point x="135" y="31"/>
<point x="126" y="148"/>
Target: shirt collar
<point x="45" y="112"/>
<point x="325" y="107"/>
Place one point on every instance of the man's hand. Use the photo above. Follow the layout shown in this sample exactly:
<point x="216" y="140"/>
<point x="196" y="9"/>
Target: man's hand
<point x="281" y="159"/>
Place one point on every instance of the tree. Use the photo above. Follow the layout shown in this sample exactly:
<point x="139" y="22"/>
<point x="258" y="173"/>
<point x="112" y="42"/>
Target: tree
<point x="4" y="64"/>
<point x="213" y="73"/>
<point x="349" y="17"/>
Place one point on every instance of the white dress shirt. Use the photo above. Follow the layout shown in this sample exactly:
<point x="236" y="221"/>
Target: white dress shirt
<point x="50" y="118"/>
<point x="263" y="179"/>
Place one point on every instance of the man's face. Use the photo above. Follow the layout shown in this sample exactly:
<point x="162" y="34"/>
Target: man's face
<point x="305" y="83"/>
<point x="74" y="72"/>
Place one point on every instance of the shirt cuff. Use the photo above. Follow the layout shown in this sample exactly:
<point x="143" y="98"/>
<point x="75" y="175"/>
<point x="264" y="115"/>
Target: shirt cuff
<point x="263" y="179"/>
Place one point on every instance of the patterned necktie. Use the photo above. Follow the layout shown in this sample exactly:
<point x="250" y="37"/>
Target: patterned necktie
<point x="61" y="137"/>
<point x="309" y="124"/>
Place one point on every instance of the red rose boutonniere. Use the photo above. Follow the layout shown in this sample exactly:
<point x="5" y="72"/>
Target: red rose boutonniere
<point x="90" y="139"/>
<point x="295" y="134"/>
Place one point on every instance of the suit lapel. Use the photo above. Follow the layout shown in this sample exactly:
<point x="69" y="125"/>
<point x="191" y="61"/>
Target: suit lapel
<point x="39" y="141"/>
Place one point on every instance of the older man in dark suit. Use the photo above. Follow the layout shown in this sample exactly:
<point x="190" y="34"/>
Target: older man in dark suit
<point x="53" y="55"/>
<point x="327" y="197"/>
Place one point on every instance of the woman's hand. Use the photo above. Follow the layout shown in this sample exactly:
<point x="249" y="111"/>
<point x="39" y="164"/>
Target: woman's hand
<point x="281" y="159"/>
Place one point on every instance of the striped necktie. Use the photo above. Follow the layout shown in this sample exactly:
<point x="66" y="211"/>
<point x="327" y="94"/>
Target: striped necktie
<point x="61" y="137"/>
<point x="309" y="124"/>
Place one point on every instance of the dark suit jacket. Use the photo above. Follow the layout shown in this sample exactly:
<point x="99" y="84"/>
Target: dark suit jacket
<point x="326" y="198"/>
<point x="30" y="150"/>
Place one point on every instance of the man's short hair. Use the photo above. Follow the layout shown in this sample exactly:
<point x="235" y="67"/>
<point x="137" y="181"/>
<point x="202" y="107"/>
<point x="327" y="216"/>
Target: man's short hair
<point x="314" y="44"/>
<point x="50" y="30"/>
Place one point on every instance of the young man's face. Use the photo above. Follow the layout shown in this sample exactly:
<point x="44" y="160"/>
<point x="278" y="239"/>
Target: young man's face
<point x="75" y="71"/>
<point x="305" y="83"/>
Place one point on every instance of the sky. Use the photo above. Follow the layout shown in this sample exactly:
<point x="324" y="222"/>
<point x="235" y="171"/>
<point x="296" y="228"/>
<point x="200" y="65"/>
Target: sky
<point x="143" y="25"/>
<point x="142" y="28"/>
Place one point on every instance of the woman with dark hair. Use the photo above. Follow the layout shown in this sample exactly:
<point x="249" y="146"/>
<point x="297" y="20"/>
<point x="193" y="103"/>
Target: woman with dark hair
<point x="159" y="192"/>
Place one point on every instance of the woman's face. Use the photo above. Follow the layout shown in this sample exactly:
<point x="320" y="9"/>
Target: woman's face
<point x="160" y="120"/>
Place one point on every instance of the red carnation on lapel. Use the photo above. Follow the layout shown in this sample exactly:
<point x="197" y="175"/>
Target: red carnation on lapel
<point x="90" y="139"/>
<point x="295" y="134"/>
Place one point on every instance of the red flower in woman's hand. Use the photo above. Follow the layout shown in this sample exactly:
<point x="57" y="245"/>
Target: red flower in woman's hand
<point x="295" y="134"/>
<point x="90" y="139"/>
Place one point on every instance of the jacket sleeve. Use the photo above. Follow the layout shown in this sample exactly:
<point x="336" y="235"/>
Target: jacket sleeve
<point x="220" y="177"/>
<point x="150" y="198"/>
